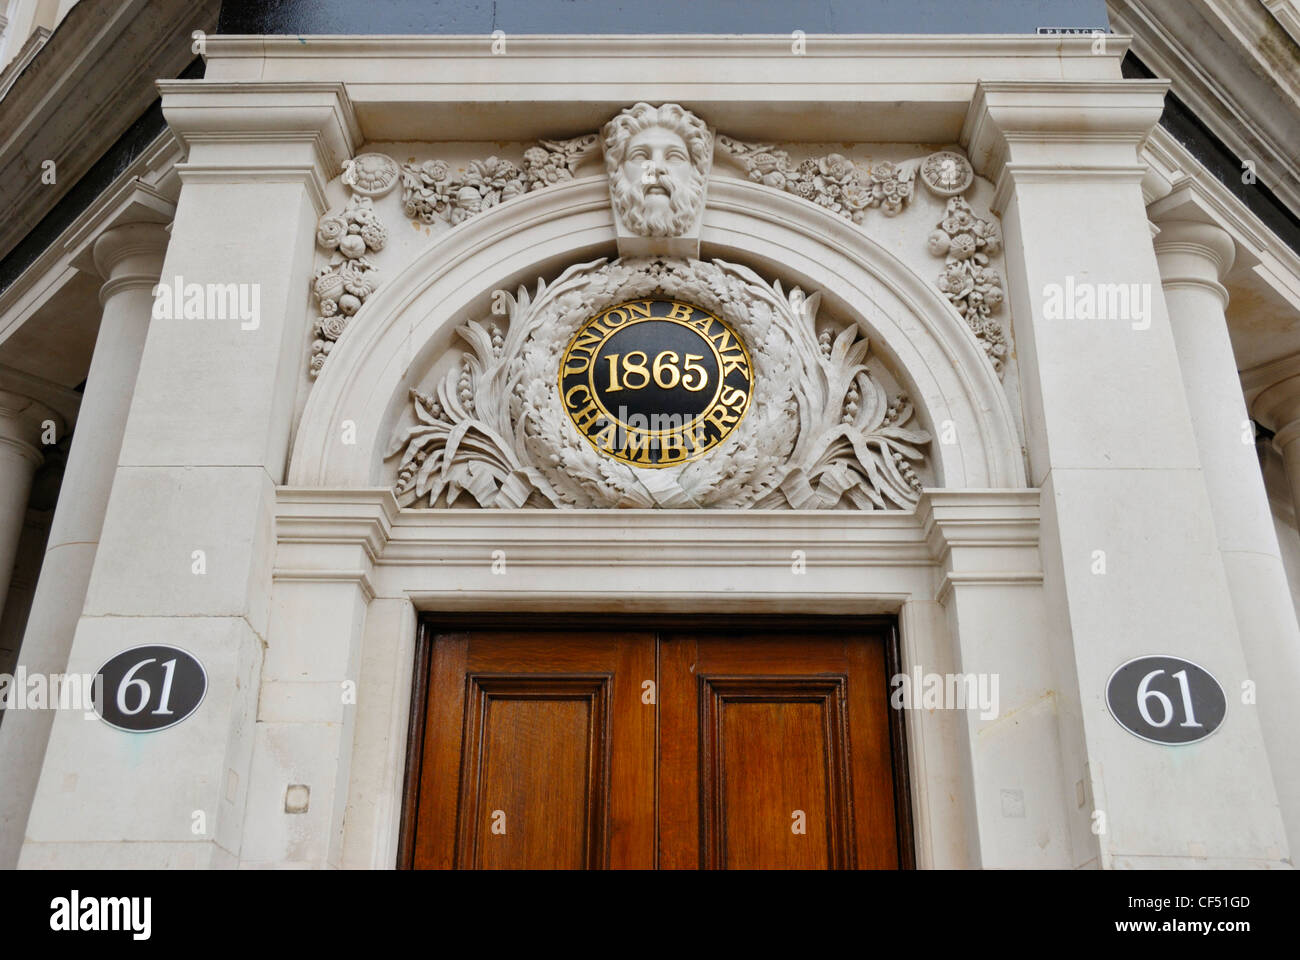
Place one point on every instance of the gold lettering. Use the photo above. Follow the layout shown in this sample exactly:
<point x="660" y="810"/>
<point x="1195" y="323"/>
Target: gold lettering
<point x="585" y="417"/>
<point x="718" y="416"/>
<point x="637" y="446"/>
<point x="702" y="324"/>
<point x="680" y="311"/>
<point x="722" y="340"/>
<point x="604" y="437"/>
<point x="739" y="364"/>
<point x="671" y="448"/>
<point x="568" y="397"/>
<point x="732" y="397"/>
<point x="641" y="309"/>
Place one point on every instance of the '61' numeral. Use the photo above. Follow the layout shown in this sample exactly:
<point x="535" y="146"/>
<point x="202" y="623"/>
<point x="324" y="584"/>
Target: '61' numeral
<point x="1144" y="695"/>
<point x="665" y="371"/>
<point x="131" y="680"/>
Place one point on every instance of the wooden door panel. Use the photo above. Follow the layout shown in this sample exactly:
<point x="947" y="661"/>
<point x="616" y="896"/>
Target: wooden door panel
<point x="755" y="727"/>
<point x="533" y="773"/>
<point x="543" y="733"/>
<point x="763" y="750"/>
<point x="775" y="785"/>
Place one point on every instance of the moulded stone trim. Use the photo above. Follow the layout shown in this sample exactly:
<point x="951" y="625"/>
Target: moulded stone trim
<point x="214" y="119"/>
<point x="1003" y="113"/>
<point x="994" y="531"/>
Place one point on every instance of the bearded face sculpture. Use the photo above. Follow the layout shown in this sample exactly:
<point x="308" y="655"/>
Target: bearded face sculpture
<point x="658" y="160"/>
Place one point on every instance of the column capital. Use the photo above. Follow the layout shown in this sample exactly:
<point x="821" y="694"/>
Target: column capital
<point x="1187" y="218"/>
<point x="129" y="255"/>
<point x="1273" y="397"/>
<point x="22" y="421"/>
<point x="134" y="202"/>
<point x="262" y="131"/>
<point x="1076" y="130"/>
<point x="1194" y="254"/>
<point x="63" y="402"/>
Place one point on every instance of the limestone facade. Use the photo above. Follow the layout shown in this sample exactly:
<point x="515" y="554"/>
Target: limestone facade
<point x="402" y="230"/>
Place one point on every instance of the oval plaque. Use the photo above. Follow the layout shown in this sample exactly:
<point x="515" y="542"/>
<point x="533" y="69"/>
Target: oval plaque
<point x="655" y="383"/>
<point x="149" y="688"/>
<point x="1166" y="700"/>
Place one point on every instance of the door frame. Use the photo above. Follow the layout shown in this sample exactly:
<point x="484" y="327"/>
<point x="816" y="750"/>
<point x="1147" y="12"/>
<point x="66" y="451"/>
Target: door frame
<point x="432" y="624"/>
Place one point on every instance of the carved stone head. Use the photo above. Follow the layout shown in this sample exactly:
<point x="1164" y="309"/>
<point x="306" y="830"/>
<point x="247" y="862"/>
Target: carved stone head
<point x="658" y="160"/>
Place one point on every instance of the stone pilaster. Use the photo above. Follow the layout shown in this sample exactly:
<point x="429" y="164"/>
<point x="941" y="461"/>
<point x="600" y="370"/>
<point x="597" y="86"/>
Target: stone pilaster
<point x="986" y="543"/>
<point x="1131" y="563"/>
<point x="188" y="540"/>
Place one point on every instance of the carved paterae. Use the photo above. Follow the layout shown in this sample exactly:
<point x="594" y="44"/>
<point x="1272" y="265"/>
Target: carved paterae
<point x="343" y="285"/>
<point x="820" y="432"/>
<point x="966" y="242"/>
<point x="832" y="181"/>
<point x="371" y="174"/>
<point x="947" y="174"/>
<point x="431" y="192"/>
<point x="658" y="160"/>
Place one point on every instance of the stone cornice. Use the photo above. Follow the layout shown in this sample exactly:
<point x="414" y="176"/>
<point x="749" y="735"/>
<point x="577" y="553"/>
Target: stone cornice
<point x="1228" y="63"/>
<point x="1287" y="14"/>
<point x="900" y="88"/>
<point x="1177" y="181"/>
<point x="225" y="126"/>
<point x="977" y="538"/>
<point x="88" y="83"/>
<point x="145" y="191"/>
<point x="982" y="537"/>
<point x="1031" y="121"/>
<point x="25" y="55"/>
<point x="707" y="45"/>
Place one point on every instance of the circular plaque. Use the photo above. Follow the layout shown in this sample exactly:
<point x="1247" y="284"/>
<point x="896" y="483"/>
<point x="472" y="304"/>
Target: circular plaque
<point x="655" y="383"/>
<point x="149" y="688"/>
<point x="1166" y="699"/>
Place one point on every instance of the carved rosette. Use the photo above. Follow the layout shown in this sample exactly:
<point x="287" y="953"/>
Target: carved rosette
<point x="432" y="193"/>
<point x="832" y="181"/>
<point x="820" y="432"/>
<point x="966" y="242"/>
<point x="947" y="174"/>
<point x="370" y="174"/>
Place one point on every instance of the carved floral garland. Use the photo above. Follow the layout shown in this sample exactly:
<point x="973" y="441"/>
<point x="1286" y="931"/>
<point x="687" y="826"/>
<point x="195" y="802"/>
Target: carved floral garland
<point x="833" y="181"/>
<point x="966" y="242"/>
<point x="343" y="286"/>
<point x="431" y="193"/>
<point x="820" y="432"/>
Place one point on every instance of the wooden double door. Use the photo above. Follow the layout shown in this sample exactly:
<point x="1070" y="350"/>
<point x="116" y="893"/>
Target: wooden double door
<point x="721" y="746"/>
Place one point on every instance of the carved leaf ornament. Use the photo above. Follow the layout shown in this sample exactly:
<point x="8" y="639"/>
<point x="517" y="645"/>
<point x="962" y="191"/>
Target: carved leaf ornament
<point x="819" y="431"/>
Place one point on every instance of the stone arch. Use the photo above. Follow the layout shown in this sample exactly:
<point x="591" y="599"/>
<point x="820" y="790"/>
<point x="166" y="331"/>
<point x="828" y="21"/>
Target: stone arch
<point x="411" y="319"/>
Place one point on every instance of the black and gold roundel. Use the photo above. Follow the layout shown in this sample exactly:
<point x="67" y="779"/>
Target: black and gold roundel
<point x="655" y="383"/>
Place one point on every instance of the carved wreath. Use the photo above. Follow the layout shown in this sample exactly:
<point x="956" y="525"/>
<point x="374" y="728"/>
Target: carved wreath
<point x="820" y="431"/>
